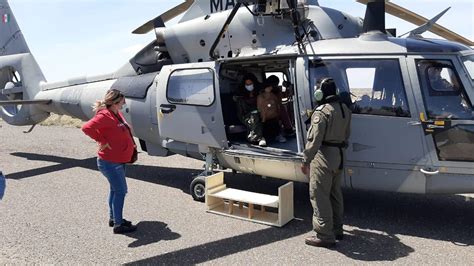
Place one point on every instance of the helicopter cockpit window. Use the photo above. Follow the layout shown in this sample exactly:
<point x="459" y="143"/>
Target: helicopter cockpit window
<point x="469" y="63"/>
<point x="375" y="86"/>
<point x="445" y="98"/>
<point x="443" y="93"/>
<point x="191" y="87"/>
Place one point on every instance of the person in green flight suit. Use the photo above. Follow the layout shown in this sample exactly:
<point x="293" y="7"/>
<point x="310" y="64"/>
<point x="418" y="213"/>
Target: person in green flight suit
<point x="323" y="160"/>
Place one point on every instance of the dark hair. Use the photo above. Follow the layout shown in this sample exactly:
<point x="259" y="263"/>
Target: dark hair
<point x="249" y="76"/>
<point x="273" y="81"/>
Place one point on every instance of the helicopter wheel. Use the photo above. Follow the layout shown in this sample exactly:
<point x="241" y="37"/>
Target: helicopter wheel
<point x="198" y="188"/>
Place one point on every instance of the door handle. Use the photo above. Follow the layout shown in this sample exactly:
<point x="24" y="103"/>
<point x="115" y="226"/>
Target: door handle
<point x="414" y="123"/>
<point x="167" y="108"/>
<point x="429" y="171"/>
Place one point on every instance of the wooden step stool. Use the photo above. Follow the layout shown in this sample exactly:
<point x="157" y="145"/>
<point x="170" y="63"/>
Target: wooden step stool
<point x="230" y="202"/>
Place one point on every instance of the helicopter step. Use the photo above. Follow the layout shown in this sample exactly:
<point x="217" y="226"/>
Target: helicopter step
<point x="230" y="202"/>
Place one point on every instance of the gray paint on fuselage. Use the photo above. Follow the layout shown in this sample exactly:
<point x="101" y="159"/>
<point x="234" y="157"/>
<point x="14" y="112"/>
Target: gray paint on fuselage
<point x="248" y="35"/>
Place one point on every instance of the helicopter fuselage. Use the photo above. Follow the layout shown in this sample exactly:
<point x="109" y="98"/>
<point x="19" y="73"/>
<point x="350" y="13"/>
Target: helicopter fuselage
<point x="400" y="141"/>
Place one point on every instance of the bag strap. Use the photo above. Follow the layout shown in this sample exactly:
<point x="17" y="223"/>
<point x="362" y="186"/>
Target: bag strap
<point x="126" y="125"/>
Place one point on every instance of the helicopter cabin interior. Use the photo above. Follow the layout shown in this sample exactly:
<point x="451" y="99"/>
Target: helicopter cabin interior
<point x="279" y="134"/>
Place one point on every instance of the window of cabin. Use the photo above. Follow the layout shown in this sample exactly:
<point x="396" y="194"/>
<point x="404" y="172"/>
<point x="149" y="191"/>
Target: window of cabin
<point x="191" y="87"/>
<point x="375" y="86"/>
<point x="443" y="93"/>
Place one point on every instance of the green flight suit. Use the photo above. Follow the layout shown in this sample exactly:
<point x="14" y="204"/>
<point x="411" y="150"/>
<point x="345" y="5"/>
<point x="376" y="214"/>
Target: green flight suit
<point x="328" y="126"/>
<point x="248" y="114"/>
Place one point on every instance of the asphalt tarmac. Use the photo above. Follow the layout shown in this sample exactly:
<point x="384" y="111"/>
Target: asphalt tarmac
<point x="55" y="212"/>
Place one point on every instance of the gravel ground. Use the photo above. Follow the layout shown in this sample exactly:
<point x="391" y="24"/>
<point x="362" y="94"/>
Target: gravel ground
<point x="55" y="212"/>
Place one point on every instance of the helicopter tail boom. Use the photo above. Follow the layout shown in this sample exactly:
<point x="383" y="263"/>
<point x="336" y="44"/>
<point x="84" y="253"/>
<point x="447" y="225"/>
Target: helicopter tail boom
<point x="20" y="75"/>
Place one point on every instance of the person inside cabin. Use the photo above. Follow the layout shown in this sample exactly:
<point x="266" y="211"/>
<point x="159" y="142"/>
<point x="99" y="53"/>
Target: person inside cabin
<point x="269" y="105"/>
<point x="247" y="110"/>
<point x="288" y="128"/>
<point x="445" y="97"/>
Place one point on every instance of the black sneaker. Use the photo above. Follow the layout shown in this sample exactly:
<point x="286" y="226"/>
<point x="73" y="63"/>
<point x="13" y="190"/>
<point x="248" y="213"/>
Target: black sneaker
<point x="339" y="237"/>
<point x="124" y="222"/>
<point x="123" y="229"/>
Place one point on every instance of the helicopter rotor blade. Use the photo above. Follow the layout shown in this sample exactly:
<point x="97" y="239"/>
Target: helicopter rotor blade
<point x="412" y="17"/>
<point x="160" y="20"/>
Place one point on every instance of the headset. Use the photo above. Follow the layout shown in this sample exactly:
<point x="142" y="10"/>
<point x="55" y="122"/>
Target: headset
<point x="319" y="93"/>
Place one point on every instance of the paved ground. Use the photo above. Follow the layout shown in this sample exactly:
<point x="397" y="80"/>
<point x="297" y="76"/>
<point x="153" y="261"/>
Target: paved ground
<point x="55" y="211"/>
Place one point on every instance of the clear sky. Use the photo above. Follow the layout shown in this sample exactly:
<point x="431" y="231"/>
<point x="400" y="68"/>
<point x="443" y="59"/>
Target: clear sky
<point x="71" y="38"/>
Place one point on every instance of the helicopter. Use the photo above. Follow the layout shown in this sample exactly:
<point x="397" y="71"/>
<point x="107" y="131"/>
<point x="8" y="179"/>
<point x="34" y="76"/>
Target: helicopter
<point x="412" y="127"/>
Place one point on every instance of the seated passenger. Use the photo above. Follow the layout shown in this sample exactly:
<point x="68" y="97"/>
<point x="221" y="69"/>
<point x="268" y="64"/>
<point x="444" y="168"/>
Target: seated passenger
<point x="437" y="81"/>
<point x="445" y="101"/>
<point x="285" y="117"/>
<point x="247" y="111"/>
<point x="269" y="105"/>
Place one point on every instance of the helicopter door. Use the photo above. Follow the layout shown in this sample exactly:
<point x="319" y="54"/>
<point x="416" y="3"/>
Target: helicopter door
<point x="448" y="118"/>
<point x="189" y="107"/>
<point x="384" y="147"/>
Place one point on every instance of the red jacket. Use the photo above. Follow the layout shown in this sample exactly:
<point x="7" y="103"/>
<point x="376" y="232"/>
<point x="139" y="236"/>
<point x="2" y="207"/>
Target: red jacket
<point x="105" y="128"/>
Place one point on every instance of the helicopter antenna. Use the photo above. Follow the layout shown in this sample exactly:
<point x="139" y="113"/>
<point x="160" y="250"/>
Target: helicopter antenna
<point x="425" y="27"/>
<point x="407" y="15"/>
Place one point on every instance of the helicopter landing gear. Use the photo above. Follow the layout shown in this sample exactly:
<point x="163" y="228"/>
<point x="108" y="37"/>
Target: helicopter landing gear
<point x="197" y="188"/>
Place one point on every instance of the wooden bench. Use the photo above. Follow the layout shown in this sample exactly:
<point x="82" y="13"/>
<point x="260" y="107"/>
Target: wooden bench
<point x="241" y="204"/>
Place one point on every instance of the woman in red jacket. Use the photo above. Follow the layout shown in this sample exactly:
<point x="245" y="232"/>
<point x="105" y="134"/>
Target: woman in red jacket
<point x="116" y="147"/>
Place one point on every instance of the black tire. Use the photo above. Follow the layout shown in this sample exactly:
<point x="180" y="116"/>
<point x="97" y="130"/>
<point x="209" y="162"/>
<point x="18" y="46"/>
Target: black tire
<point x="198" y="189"/>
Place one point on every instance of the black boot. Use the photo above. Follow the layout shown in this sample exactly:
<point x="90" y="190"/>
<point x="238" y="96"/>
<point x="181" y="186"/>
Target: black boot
<point x="125" y="222"/>
<point x="123" y="229"/>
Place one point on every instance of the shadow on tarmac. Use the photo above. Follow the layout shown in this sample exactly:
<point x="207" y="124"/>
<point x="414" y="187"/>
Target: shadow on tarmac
<point x="150" y="232"/>
<point x="228" y="246"/>
<point x="370" y="246"/>
<point x="378" y="217"/>
<point x="165" y="176"/>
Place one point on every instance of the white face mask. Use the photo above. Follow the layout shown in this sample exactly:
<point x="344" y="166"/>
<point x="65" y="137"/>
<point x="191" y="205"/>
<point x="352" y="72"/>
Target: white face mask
<point x="124" y="107"/>
<point x="249" y="87"/>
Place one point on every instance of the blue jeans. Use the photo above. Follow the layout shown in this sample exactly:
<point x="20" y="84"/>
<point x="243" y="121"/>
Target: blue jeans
<point x="2" y="185"/>
<point x="115" y="174"/>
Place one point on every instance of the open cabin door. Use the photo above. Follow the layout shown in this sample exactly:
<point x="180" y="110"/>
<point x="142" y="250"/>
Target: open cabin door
<point x="189" y="106"/>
